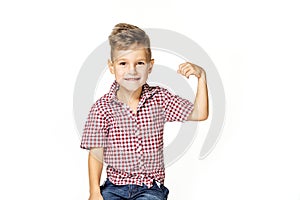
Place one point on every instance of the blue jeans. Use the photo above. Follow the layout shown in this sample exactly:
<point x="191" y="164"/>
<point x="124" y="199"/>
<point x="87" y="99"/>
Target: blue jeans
<point x="111" y="191"/>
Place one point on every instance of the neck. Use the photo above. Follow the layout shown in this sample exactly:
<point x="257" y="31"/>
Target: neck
<point x="129" y="96"/>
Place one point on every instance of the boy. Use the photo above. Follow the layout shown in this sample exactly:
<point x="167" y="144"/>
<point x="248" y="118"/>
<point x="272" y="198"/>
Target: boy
<point x="125" y="126"/>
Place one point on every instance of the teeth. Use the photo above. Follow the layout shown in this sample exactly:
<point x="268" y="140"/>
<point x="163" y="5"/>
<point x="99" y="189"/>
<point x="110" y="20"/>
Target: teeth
<point x="132" y="78"/>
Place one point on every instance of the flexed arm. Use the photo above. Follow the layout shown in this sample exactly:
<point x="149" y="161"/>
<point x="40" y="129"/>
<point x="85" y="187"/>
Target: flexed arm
<point x="200" y="111"/>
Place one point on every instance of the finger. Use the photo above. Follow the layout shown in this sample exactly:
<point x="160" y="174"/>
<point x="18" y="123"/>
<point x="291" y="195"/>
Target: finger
<point x="186" y="73"/>
<point x="187" y="70"/>
<point x="183" y="72"/>
<point x="189" y="73"/>
<point x="179" y="70"/>
<point x="183" y="65"/>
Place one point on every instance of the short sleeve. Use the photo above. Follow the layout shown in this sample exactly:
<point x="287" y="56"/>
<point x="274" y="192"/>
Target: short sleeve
<point x="176" y="108"/>
<point x="95" y="129"/>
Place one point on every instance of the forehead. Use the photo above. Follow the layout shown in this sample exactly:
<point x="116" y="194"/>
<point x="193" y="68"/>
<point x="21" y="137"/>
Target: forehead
<point x="135" y="53"/>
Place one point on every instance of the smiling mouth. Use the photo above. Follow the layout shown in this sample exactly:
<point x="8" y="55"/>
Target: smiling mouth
<point x="132" y="79"/>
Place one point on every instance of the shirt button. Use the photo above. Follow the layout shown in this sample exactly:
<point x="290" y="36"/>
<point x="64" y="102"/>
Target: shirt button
<point x="137" y="132"/>
<point x="139" y="149"/>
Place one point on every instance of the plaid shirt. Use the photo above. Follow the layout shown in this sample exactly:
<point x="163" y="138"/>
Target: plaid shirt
<point x="133" y="143"/>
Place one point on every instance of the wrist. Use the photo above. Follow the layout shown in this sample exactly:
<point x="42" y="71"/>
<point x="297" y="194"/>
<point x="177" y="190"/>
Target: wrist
<point x="95" y="190"/>
<point x="202" y="78"/>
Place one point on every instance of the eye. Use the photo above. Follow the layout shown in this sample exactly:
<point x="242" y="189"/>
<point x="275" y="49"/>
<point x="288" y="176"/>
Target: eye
<point x="122" y="63"/>
<point x="141" y="63"/>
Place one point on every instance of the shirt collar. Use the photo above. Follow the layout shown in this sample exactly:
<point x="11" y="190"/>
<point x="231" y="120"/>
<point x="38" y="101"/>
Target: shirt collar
<point x="147" y="91"/>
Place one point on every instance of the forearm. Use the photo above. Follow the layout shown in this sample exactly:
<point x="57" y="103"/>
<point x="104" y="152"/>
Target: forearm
<point x="95" y="165"/>
<point x="200" y="111"/>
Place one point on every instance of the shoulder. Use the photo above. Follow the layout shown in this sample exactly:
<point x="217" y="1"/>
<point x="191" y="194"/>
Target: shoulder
<point x="101" y="104"/>
<point x="162" y="91"/>
<point x="159" y="92"/>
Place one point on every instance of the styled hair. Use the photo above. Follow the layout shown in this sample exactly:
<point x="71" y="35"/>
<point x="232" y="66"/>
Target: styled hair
<point x="126" y="36"/>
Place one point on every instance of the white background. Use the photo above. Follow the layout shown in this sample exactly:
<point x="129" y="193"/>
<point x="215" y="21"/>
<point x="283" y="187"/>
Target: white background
<point x="254" y="45"/>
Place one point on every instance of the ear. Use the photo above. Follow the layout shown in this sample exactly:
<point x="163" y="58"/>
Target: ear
<point x="111" y="66"/>
<point x="151" y="64"/>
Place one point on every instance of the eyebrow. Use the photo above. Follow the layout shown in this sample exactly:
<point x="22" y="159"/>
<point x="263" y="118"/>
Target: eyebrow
<point x="124" y="59"/>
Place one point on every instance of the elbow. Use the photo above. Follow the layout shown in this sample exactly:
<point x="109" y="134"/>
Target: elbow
<point x="198" y="118"/>
<point x="200" y="113"/>
<point x="203" y="117"/>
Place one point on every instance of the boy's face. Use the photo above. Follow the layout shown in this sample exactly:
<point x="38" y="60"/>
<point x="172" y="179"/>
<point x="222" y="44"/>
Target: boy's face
<point x="131" y="68"/>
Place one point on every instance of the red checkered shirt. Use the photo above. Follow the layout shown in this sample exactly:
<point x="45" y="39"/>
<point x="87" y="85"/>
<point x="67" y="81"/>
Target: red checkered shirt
<point x="133" y="143"/>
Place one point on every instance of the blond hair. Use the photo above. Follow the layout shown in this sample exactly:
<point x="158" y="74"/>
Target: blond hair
<point x="126" y="36"/>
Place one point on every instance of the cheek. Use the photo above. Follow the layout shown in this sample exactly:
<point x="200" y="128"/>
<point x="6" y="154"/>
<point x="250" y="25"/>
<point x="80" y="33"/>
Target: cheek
<point x="143" y="71"/>
<point x="119" y="75"/>
<point x="120" y="72"/>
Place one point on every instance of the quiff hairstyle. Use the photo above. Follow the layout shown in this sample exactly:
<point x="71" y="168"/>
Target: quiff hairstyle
<point x="126" y="36"/>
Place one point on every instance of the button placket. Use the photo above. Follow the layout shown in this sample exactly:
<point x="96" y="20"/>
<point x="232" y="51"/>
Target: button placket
<point x="139" y="148"/>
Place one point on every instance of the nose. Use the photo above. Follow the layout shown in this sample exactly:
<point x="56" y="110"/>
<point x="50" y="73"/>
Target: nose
<point x="132" y="69"/>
